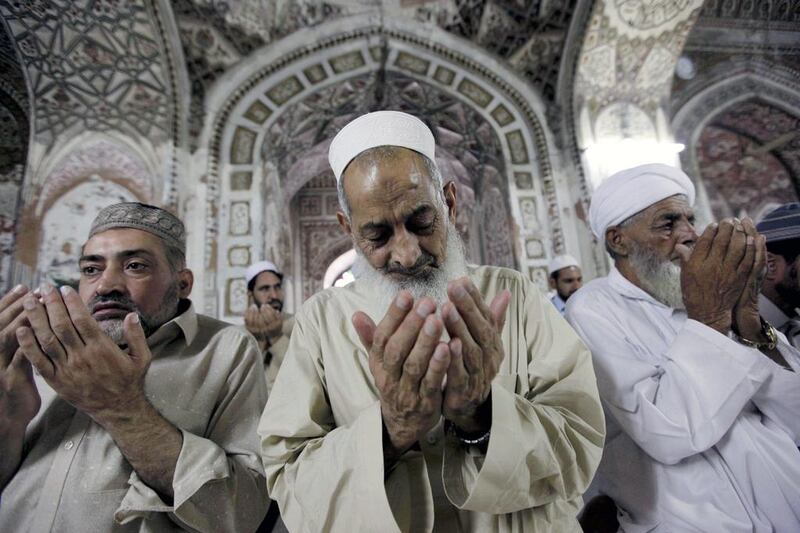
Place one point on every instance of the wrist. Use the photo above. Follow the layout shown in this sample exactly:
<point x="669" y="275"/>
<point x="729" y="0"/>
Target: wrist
<point x="479" y="438"/>
<point x="764" y="339"/>
<point x="123" y="413"/>
<point x="475" y="422"/>
<point x="749" y="326"/>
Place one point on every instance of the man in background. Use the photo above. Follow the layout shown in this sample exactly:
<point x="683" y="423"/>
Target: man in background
<point x="265" y="318"/>
<point x="779" y="302"/>
<point x="565" y="279"/>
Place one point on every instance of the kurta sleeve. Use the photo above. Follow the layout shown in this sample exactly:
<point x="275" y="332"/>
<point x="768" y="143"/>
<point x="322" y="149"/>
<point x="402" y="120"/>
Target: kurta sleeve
<point x="219" y="481"/>
<point x="547" y="431"/>
<point x="673" y="404"/>
<point x="779" y="397"/>
<point x="329" y="477"/>
<point x="278" y="351"/>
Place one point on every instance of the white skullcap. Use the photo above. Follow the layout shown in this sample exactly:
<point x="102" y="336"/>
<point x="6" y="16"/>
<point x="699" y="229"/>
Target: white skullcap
<point x="262" y="266"/>
<point x="381" y="128"/>
<point x="561" y="261"/>
<point x="629" y="191"/>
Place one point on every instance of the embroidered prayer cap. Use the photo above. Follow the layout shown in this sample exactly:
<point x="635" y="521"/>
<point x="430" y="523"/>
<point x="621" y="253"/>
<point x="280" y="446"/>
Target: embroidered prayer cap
<point x="629" y="191"/>
<point x="781" y="224"/>
<point x="262" y="266"/>
<point x="381" y="128"/>
<point x="561" y="261"/>
<point x="149" y="218"/>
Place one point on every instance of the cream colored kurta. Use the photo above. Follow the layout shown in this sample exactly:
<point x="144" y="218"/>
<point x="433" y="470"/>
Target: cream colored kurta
<point x="207" y="379"/>
<point x="322" y="432"/>
<point x="278" y="351"/>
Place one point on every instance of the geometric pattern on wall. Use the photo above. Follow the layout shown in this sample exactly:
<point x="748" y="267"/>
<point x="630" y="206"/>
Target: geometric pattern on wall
<point x="528" y="36"/>
<point x="94" y="64"/>
<point x="629" y="52"/>
<point x="749" y="157"/>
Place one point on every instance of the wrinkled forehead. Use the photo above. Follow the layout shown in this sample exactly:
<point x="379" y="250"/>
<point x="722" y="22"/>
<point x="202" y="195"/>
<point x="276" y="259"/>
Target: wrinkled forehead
<point x="388" y="182"/>
<point x="673" y="207"/>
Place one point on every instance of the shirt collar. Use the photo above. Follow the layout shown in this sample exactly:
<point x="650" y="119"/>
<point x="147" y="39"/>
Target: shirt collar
<point x="772" y="313"/>
<point x="184" y="322"/>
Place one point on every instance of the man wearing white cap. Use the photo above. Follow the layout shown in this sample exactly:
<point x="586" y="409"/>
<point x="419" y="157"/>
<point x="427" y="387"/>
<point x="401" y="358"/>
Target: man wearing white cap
<point x="702" y="399"/>
<point x="565" y="279"/>
<point x="470" y="406"/>
<point x="265" y="318"/>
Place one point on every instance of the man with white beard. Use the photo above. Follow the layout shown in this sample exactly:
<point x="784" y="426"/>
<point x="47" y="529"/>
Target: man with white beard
<point x="702" y="398"/>
<point x="470" y="406"/>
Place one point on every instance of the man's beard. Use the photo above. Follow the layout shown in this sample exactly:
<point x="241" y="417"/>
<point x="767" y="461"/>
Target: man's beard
<point x="114" y="327"/>
<point x="273" y="303"/>
<point x="418" y="280"/>
<point x="659" y="277"/>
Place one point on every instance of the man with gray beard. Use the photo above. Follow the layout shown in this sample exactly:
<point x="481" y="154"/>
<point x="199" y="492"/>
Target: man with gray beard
<point x="142" y="414"/>
<point x="428" y="395"/>
<point x="702" y="397"/>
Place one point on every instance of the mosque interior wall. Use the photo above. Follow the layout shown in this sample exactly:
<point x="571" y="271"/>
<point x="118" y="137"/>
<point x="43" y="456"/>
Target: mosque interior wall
<point x="223" y="112"/>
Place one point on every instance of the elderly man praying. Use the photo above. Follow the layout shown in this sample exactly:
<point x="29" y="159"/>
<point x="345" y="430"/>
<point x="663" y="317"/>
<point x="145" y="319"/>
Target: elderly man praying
<point x="142" y="414"/>
<point x="428" y="394"/>
<point x="702" y="396"/>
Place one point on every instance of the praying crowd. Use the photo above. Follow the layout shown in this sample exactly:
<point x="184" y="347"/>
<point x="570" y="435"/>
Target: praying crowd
<point x="428" y="395"/>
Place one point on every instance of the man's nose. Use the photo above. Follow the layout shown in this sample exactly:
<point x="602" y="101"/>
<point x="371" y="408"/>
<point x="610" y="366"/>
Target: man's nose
<point x="686" y="233"/>
<point x="111" y="280"/>
<point x="406" y="250"/>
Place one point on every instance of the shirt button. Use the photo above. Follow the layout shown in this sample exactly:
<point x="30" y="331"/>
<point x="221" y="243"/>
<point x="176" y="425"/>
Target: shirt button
<point x="68" y="445"/>
<point x="431" y="439"/>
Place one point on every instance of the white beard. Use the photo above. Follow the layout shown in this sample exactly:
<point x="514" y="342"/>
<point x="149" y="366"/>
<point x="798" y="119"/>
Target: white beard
<point x="660" y="278"/>
<point x="434" y="287"/>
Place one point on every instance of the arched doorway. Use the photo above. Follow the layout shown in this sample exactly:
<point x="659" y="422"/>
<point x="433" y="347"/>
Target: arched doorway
<point x="277" y="116"/>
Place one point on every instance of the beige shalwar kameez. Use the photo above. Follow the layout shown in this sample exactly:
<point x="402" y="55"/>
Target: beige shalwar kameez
<point x="207" y="379"/>
<point x="322" y="432"/>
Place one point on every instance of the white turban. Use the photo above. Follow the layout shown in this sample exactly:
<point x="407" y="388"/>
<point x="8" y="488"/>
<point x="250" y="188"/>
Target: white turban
<point x="629" y="191"/>
<point x="561" y="261"/>
<point x="262" y="266"/>
<point x="381" y="128"/>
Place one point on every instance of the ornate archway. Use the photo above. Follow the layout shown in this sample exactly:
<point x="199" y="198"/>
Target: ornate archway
<point x="93" y="171"/>
<point x="246" y="187"/>
<point x="718" y="122"/>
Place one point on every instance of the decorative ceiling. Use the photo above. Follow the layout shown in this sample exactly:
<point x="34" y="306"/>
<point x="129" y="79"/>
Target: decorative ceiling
<point x="528" y="35"/>
<point x="731" y="33"/>
<point x="99" y="65"/>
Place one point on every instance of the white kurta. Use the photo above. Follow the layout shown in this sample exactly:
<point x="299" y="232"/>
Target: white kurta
<point x="322" y="433"/>
<point x="702" y="431"/>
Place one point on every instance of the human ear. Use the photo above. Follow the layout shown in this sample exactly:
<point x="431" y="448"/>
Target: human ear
<point x="185" y="283"/>
<point x="617" y="241"/>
